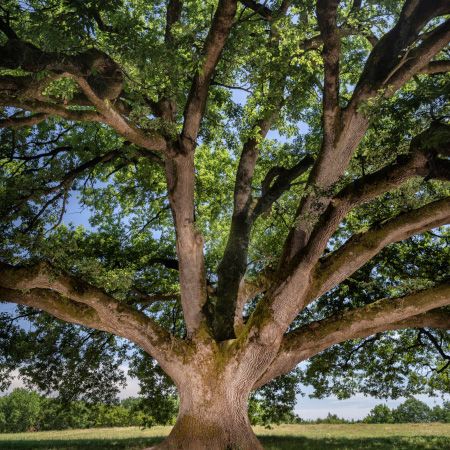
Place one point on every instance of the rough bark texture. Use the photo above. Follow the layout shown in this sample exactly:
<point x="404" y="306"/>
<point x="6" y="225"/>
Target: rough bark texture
<point x="212" y="415"/>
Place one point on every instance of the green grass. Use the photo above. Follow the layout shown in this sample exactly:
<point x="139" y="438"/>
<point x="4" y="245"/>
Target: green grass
<point x="285" y="437"/>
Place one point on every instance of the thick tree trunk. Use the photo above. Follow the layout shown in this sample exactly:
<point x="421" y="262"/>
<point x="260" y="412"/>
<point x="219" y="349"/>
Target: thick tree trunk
<point x="212" y="416"/>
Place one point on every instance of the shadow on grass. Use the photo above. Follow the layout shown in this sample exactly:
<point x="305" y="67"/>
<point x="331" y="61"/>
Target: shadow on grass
<point x="376" y="443"/>
<point x="78" y="444"/>
<point x="269" y="443"/>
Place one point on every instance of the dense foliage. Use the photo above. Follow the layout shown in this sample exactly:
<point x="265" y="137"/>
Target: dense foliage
<point x="411" y="410"/>
<point x="24" y="410"/>
<point x="62" y="168"/>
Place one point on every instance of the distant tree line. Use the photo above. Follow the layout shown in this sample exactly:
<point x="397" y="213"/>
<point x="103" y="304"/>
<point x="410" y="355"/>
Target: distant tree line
<point x="410" y="411"/>
<point x="25" y="410"/>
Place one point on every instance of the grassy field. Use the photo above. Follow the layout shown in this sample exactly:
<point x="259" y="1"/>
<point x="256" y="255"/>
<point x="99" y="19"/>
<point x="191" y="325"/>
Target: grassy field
<point x="285" y="437"/>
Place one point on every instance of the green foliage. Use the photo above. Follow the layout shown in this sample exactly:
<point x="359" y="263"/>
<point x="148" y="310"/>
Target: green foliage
<point x="24" y="410"/>
<point x="20" y="411"/>
<point x="412" y="410"/>
<point x="274" y="402"/>
<point x="380" y="414"/>
<point x="125" y="200"/>
<point x="159" y="403"/>
<point x="332" y="419"/>
<point x="59" y="358"/>
<point x="441" y="413"/>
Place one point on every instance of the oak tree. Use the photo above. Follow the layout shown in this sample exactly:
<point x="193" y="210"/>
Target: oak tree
<point x="257" y="173"/>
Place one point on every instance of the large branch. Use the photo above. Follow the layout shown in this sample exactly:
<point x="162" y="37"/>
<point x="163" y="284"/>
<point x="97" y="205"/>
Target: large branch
<point x="116" y="316"/>
<point x="417" y="60"/>
<point x="233" y="264"/>
<point x="278" y="180"/>
<point x="58" y="306"/>
<point x="327" y="18"/>
<point x="99" y="77"/>
<point x="180" y="178"/>
<point x="382" y="69"/>
<point x="308" y="280"/>
<point x="180" y="172"/>
<point x="114" y="118"/>
<point x="393" y="49"/>
<point x="214" y="44"/>
<point x="103" y="74"/>
<point x="422" y="160"/>
<point x="409" y="311"/>
<point x="438" y="66"/>
<point x="362" y="247"/>
<point x="233" y="291"/>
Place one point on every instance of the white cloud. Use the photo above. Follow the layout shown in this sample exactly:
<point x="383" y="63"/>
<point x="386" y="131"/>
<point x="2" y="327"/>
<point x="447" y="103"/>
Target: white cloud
<point x="132" y="387"/>
<point x="15" y="383"/>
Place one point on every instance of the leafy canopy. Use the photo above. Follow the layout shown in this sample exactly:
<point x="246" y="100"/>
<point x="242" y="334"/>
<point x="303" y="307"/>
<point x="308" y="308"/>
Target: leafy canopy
<point x="59" y="168"/>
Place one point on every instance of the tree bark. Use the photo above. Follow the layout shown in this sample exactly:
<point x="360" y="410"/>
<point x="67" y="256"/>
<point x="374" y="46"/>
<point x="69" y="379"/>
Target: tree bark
<point x="212" y="416"/>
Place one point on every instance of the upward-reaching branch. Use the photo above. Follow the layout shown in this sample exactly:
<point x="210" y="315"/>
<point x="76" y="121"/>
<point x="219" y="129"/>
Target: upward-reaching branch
<point x="389" y="67"/>
<point x="234" y="261"/>
<point x="233" y="264"/>
<point x="214" y="44"/>
<point x="180" y="170"/>
<point x="327" y="18"/>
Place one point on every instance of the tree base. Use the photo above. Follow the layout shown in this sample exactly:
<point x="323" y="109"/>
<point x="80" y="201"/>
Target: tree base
<point x="231" y="431"/>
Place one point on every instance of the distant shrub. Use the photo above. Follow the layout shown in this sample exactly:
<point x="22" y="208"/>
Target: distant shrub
<point x="332" y="419"/>
<point x="441" y="413"/>
<point x="412" y="410"/>
<point x="20" y="411"/>
<point x="380" y="414"/>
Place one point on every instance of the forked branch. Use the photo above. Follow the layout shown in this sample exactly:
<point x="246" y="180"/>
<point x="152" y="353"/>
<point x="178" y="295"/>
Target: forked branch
<point x="409" y="311"/>
<point x="362" y="247"/>
<point x="387" y="68"/>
